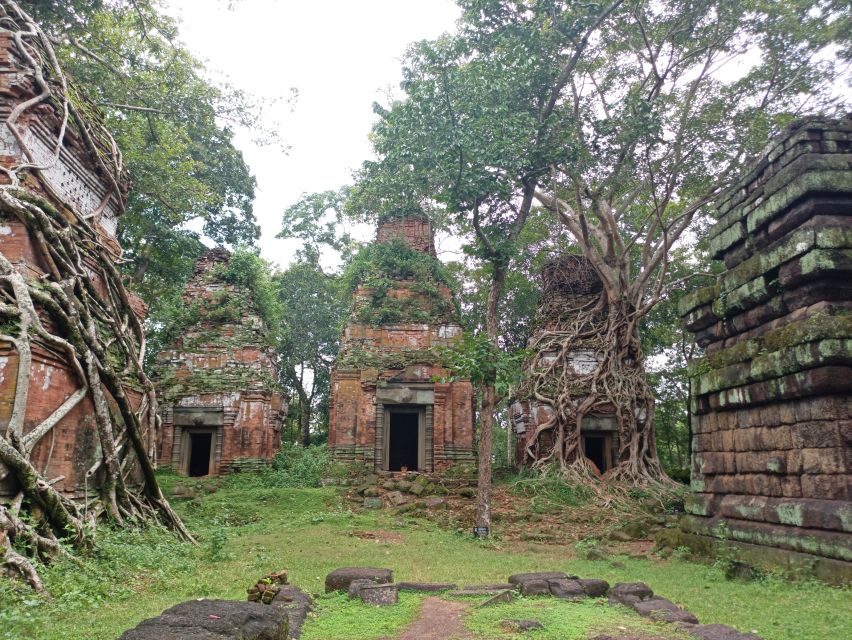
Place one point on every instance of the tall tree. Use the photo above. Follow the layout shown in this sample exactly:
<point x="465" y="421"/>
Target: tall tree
<point x="313" y="307"/>
<point x="624" y="120"/>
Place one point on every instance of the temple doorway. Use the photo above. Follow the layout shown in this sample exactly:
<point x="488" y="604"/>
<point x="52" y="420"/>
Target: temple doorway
<point x="404" y="440"/>
<point x="597" y="447"/>
<point x="200" y="447"/>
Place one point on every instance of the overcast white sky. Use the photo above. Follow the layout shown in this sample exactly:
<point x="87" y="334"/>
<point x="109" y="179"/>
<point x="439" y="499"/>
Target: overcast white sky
<point x="341" y="55"/>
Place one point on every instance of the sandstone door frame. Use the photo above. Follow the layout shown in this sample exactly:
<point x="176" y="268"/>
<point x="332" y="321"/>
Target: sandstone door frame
<point x="420" y="410"/>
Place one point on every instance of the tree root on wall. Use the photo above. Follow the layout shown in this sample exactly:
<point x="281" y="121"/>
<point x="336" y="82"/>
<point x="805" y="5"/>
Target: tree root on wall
<point x="615" y="386"/>
<point x="80" y="312"/>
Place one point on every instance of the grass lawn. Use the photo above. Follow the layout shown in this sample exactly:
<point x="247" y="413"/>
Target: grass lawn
<point x="245" y="532"/>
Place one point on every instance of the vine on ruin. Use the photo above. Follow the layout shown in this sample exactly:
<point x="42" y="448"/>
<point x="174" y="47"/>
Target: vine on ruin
<point x="81" y="313"/>
<point x="384" y="269"/>
<point x="605" y="332"/>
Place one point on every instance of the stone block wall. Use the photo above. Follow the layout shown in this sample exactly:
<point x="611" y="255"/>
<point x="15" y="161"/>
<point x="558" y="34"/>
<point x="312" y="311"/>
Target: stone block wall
<point x="772" y="397"/>
<point x="219" y="377"/>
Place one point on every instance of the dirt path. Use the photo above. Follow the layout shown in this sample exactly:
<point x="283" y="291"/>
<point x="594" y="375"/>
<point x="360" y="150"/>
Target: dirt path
<point x="439" y="620"/>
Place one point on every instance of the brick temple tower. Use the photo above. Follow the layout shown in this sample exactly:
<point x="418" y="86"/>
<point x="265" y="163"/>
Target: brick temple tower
<point x="72" y="180"/>
<point x="221" y="405"/>
<point x="569" y="286"/>
<point x="386" y="407"/>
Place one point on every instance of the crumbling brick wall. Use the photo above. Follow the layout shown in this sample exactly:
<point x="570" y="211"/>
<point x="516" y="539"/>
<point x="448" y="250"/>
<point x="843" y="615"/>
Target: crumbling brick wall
<point x="219" y="377"/>
<point x="382" y="369"/>
<point x="75" y="181"/>
<point x="772" y="397"/>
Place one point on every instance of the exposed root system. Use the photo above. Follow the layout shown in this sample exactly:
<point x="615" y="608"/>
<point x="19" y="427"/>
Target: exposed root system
<point x="79" y="312"/>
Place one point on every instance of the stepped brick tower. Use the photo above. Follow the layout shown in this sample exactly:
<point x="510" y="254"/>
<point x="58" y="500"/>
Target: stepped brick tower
<point x="221" y="405"/>
<point x="75" y="184"/>
<point x="386" y="407"/>
<point x="772" y="397"/>
<point x="570" y="284"/>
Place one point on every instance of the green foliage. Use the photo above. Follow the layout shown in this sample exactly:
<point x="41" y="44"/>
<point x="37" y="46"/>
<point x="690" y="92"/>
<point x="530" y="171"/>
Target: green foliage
<point x="381" y="267"/>
<point x="476" y="358"/>
<point x="550" y="490"/>
<point x="293" y="466"/>
<point x="313" y="306"/>
<point x="316" y="219"/>
<point x="137" y="574"/>
<point x="174" y="129"/>
<point x="251" y="272"/>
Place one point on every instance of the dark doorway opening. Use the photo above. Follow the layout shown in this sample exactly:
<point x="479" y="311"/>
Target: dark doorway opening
<point x="403" y="445"/>
<point x="199" y="453"/>
<point x="595" y="449"/>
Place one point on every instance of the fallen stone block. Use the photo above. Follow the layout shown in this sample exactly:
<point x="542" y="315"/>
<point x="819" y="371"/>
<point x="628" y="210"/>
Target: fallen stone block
<point x="426" y="586"/>
<point x="379" y="595"/>
<point x="663" y="610"/>
<point x="627" y="593"/>
<point x="396" y="498"/>
<point x="535" y="588"/>
<point x="373" y="503"/>
<point x="518" y="578"/>
<point x="355" y="587"/>
<point x="594" y="588"/>
<point x="296" y="603"/>
<point x="493" y="587"/>
<point x="500" y="598"/>
<point x="339" y="579"/>
<point x="521" y="625"/>
<point x="219" y="619"/>
<point x="567" y="589"/>
<point x="719" y="632"/>
<point x="465" y="593"/>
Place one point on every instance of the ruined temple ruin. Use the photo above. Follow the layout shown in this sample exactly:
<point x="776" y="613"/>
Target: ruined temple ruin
<point x="386" y="407"/>
<point x="570" y="287"/>
<point x="56" y="423"/>
<point x="222" y="408"/>
<point x="772" y="397"/>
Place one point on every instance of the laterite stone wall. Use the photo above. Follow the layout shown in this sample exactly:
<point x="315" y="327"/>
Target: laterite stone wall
<point x="772" y="397"/>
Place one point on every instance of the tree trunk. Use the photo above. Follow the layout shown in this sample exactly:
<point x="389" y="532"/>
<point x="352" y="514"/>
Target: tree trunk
<point x="486" y="414"/>
<point x="486" y="432"/>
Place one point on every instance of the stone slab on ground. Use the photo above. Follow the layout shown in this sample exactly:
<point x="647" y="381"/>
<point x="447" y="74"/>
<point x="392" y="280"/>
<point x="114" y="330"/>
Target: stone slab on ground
<point x="593" y="587"/>
<point x="500" y="598"/>
<point x="462" y="593"/>
<point x="718" y="632"/>
<point x="521" y="625"/>
<point x="379" y="595"/>
<point x="297" y="604"/>
<point x="567" y="589"/>
<point x="426" y="586"/>
<point x="214" y="620"/>
<point x="518" y="578"/>
<point x="355" y="587"/>
<point x="627" y="593"/>
<point x="494" y="587"/>
<point x="535" y="588"/>
<point x="396" y="498"/>
<point x="664" y="610"/>
<point x="339" y="579"/>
